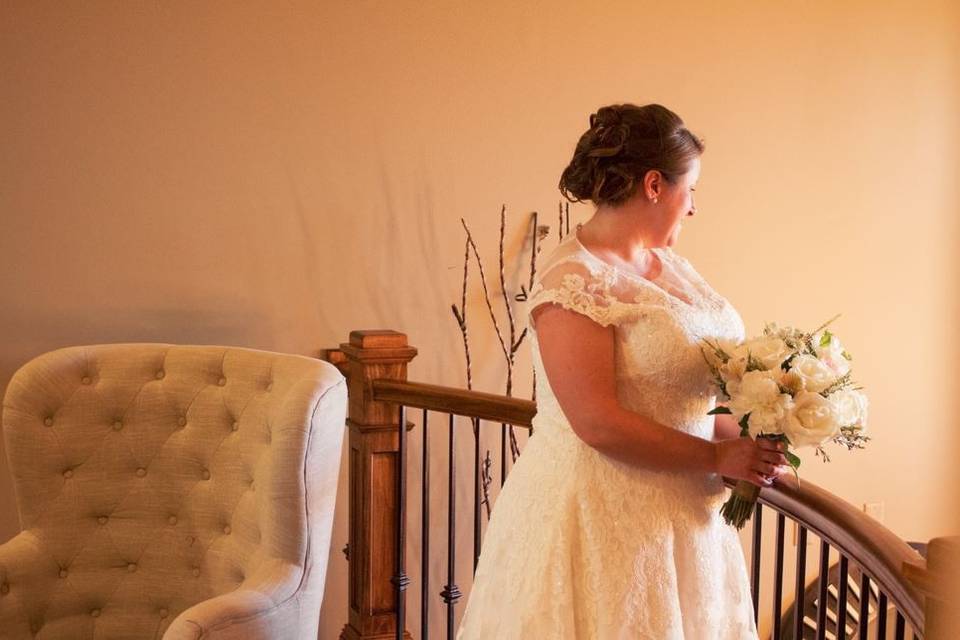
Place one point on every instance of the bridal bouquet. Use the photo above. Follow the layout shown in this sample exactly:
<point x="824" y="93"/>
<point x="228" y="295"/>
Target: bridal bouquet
<point x="789" y="386"/>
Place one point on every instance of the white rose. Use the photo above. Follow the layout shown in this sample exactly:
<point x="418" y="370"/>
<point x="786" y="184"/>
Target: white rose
<point x="759" y="395"/>
<point x="814" y="375"/>
<point x="813" y="420"/>
<point x="770" y="350"/>
<point x="771" y="417"/>
<point x="831" y="353"/>
<point x="851" y="408"/>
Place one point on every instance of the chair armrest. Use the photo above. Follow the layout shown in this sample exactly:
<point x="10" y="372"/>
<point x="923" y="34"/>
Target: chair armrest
<point x="265" y="608"/>
<point x="26" y="575"/>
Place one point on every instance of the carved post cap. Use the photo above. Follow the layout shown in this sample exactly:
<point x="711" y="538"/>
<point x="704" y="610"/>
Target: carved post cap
<point x="373" y="354"/>
<point x="377" y="338"/>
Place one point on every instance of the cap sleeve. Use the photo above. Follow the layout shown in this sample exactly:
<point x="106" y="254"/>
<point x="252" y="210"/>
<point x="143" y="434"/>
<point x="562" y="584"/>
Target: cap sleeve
<point x="574" y="286"/>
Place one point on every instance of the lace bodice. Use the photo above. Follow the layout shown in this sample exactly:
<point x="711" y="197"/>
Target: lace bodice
<point x="658" y="323"/>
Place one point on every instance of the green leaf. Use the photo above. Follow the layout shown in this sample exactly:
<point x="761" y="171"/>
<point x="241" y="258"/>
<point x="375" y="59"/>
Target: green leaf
<point x="847" y="355"/>
<point x="718" y="411"/>
<point x="825" y="338"/>
<point x="744" y="425"/>
<point x="792" y="459"/>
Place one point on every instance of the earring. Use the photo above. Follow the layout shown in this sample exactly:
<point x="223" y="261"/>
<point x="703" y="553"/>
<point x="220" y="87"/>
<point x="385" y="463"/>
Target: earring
<point x="655" y="201"/>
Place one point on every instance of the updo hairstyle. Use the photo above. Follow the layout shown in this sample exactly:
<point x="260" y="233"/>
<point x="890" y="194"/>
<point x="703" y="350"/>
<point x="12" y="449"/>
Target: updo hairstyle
<point x="625" y="141"/>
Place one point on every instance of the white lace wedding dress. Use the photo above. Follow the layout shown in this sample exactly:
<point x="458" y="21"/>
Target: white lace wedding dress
<point x="581" y="546"/>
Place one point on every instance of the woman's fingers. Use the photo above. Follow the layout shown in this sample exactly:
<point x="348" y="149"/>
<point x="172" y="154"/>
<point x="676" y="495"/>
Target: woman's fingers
<point x="773" y="457"/>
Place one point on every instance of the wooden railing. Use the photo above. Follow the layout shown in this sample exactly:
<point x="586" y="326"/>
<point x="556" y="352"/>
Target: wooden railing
<point x="864" y="582"/>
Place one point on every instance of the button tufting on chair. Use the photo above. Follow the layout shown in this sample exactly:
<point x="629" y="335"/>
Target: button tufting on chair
<point x="112" y="518"/>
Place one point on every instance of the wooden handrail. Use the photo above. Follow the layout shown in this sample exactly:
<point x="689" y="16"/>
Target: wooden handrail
<point x="869" y="544"/>
<point x="876" y="549"/>
<point x="375" y="365"/>
<point x="461" y="402"/>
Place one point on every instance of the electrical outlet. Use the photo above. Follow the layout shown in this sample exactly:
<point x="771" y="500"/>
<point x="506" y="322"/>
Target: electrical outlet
<point x="874" y="510"/>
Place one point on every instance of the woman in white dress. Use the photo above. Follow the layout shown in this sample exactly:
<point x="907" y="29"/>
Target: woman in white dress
<point x="608" y="526"/>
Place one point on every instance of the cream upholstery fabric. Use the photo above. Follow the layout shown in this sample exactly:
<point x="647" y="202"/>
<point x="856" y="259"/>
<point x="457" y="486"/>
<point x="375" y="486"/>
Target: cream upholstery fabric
<point x="170" y="492"/>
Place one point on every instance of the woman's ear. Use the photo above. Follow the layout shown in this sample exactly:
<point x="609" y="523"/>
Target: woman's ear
<point x="652" y="184"/>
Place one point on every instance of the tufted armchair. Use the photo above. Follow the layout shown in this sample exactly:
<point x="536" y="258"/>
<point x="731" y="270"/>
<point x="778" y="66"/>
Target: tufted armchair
<point x="170" y="492"/>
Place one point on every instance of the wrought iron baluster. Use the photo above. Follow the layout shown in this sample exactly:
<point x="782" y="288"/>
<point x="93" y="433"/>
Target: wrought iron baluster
<point x="503" y="454"/>
<point x="451" y="593"/>
<point x="901" y="626"/>
<point x="476" y="493"/>
<point x="755" y="564"/>
<point x="882" y="616"/>
<point x="800" y="582"/>
<point x="864" y="605"/>
<point x="778" y="577"/>
<point x="822" y="590"/>
<point x="842" y="598"/>
<point x="425" y="535"/>
<point x="400" y="579"/>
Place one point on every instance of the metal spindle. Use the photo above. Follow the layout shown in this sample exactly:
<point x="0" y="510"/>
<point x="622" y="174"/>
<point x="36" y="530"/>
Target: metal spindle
<point x="778" y="577"/>
<point x="842" y="598"/>
<point x="425" y="534"/>
<point x="476" y="493"/>
<point x="451" y="593"/>
<point x="864" y="605"/>
<point x="755" y="563"/>
<point x="800" y="582"/>
<point x="503" y="454"/>
<point x="400" y="579"/>
<point x="882" y="616"/>
<point x="901" y="627"/>
<point x="822" y="590"/>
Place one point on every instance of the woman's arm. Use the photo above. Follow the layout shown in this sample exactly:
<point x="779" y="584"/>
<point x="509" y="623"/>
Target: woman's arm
<point x="578" y="357"/>
<point x="725" y="427"/>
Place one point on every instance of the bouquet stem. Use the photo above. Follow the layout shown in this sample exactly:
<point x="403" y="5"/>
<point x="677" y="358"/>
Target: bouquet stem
<point x="739" y="507"/>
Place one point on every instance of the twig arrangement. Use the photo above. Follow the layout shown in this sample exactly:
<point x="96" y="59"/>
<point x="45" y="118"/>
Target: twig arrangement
<point x="511" y="342"/>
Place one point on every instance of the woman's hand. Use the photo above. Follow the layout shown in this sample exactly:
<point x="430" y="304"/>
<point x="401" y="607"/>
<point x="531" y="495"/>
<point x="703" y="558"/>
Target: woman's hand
<point x="757" y="461"/>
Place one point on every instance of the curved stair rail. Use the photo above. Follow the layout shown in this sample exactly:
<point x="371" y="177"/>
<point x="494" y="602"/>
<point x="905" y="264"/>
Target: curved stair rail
<point x="870" y="557"/>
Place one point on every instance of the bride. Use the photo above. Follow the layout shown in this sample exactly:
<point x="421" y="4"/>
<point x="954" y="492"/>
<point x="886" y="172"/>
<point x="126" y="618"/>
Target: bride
<point x="608" y="526"/>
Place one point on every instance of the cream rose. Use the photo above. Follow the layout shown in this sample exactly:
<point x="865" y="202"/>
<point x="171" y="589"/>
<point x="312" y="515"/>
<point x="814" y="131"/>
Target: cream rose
<point x="851" y="408"/>
<point x="759" y="395"/>
<point x="770" y="350"/>
<point x="811" y="373"/>
<point x="831" y="353"/>
<point x="813" y="420"/>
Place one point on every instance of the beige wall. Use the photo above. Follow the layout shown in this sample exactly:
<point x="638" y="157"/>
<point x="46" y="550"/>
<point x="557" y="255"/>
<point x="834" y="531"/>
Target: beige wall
<point x="275" y="174"/>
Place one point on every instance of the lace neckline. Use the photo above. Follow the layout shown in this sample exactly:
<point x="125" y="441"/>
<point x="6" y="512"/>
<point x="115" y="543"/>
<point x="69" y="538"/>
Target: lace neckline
<point x="660" y="252"/>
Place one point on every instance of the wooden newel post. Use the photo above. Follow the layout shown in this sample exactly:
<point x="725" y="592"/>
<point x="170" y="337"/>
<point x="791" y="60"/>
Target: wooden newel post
<point x="373" y="467"/>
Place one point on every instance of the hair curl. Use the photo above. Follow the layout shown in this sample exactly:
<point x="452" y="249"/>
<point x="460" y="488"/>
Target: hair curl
<point x="623" y="143"/>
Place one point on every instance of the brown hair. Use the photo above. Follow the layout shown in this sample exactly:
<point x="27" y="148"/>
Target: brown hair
<point x="625" y="141"/>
